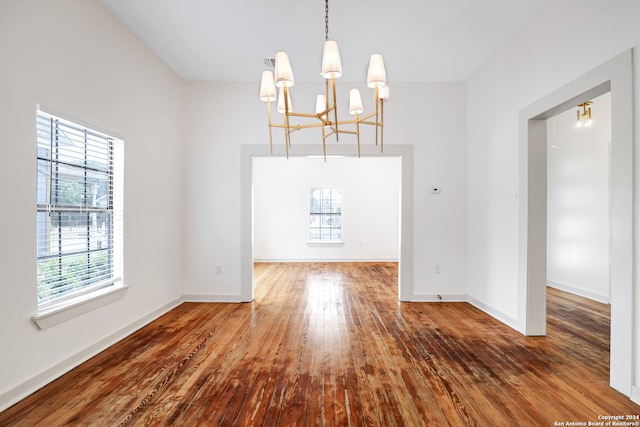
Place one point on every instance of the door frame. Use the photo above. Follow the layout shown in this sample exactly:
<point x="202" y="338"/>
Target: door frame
<point x="616" y="76"/>
<point x="405" y="259"/>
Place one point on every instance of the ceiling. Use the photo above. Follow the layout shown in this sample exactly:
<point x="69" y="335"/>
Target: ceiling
<point x="421" y="40"/>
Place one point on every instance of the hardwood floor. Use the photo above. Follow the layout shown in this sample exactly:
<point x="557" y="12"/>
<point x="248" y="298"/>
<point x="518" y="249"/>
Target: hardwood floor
<point x="329" y="344"/>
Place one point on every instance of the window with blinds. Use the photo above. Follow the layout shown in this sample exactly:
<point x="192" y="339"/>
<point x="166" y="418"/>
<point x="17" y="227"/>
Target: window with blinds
<point x="79" y="209"/>
<point x="325" y="214"/>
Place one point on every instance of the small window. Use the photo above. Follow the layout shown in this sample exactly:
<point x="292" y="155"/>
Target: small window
<point x="325" y="214"/>
<point x="79" y="209"/>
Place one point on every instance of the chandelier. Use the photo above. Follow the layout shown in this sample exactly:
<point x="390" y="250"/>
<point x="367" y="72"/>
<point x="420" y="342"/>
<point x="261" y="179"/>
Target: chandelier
<point x="326" y="111"/>
<point x="584" y="117"/>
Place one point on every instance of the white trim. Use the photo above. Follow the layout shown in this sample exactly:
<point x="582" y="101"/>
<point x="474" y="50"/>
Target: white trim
<point x="43" y="378"/>
<point x="496" y="314"/>
<point x="212" y="298"/>
<point x="78" y="121"/>
<point x="615" y="75"/>
<point x="327" y="260"/>
<point x="577" y="291"/>
<point x="321" y="243"/>
<point x="440" y="298"/>
<point x="405" y="152"/>
<point x="68" y="309"/>
<point x="465" y="298"/>
<point x="635" y="394"/>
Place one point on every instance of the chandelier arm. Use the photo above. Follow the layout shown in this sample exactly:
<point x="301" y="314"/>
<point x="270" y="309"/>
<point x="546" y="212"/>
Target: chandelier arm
<point x="311" y="116"/>
<point x="324" y="144"/>
<point x="321" y="116"/>
<point x="326" y="101"/>
<point x="328" y="135"/>
<point x="377" y="99"/>
<point x="353" y="122"/>
<point x="358" y="133"/>
<point x="286" y="145"/>
<point x="362" y="119"/>
<point x="270" y="127"/>
<point x="293" y="128"/>
<point x="324" y="122"/>
<point x="335" y="105"/>
<point x="381" y="126"/>
<point x="286" y="118"/>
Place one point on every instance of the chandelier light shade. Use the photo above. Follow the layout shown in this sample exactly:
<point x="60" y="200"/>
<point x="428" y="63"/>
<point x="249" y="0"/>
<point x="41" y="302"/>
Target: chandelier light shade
<point x="325" y="115"/>
<point x="284" y="102"/>
<point x="376" y="75"/>
<point x="355" y="102"/>
<point x="331" y="62"/>
<point x="584" y="116"/>
<point x="383" y="92"/>
<point x="284" y="72"/>
<point x="267" y="87"/>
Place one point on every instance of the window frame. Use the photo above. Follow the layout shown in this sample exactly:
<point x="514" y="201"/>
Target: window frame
<point x="320" y="210"/>
<point x="100" y="278"/>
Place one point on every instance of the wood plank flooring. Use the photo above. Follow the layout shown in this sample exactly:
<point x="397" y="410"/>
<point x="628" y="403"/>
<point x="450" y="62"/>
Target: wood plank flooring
<point x="329" y="344"/>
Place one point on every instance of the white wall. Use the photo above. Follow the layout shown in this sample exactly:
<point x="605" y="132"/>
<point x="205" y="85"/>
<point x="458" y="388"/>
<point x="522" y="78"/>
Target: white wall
<point x="563" y="41"/>
<point x="578" y="202"/>
<point x="542" y="57"/>
<point x="223" y="116"/>
<point x="182" y="175"/>
<point x="370" y="214"/>
<point x="73" y="57"/>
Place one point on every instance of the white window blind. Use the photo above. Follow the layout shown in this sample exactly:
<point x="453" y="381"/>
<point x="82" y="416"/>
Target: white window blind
<point x="79" y="209"/>
<point x="325" y="214"/>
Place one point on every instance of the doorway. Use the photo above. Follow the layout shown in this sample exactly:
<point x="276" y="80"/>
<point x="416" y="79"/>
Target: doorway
<point x="578" y="186"/>
<point x="405" y="256"/>
<point x="614" y="76"/>
<point x="362" y="224"/>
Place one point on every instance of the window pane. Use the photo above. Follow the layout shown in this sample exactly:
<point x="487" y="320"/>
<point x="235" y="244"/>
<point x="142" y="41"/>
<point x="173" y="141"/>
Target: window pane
<point x="43" y="132"/>
<point x="67" y="185"/>
<point x="75" y="218"/>
<point x="97" y="188"/>
<point x="314" y="220"/>
<point x="70" y="144"/>
<point x="325" y="213"/>
<point x="97" y="153"/>
<point x="43" y="182"/>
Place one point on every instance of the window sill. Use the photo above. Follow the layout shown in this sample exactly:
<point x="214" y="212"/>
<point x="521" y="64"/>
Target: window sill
<point x="69" y="309"/>
<point x="325" y="243"/>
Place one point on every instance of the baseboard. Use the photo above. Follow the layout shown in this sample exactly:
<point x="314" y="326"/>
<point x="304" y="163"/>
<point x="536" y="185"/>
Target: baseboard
<point x="38" y="381"/>
<point x="635" y="394"/>
<point x="439" y="298"/>
<point x="496" y="314"/>
<point x="581" y="292"/>
<point x="211" y="298"/>
<point x="329" y="260"/>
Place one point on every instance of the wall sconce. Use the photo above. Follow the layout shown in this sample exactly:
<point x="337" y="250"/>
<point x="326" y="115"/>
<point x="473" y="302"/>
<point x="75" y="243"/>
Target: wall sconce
<point x="584" y="116"/>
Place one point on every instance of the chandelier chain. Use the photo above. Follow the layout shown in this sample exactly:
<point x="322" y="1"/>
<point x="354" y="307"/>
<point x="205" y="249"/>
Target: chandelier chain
<point x="326" y="19"/>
